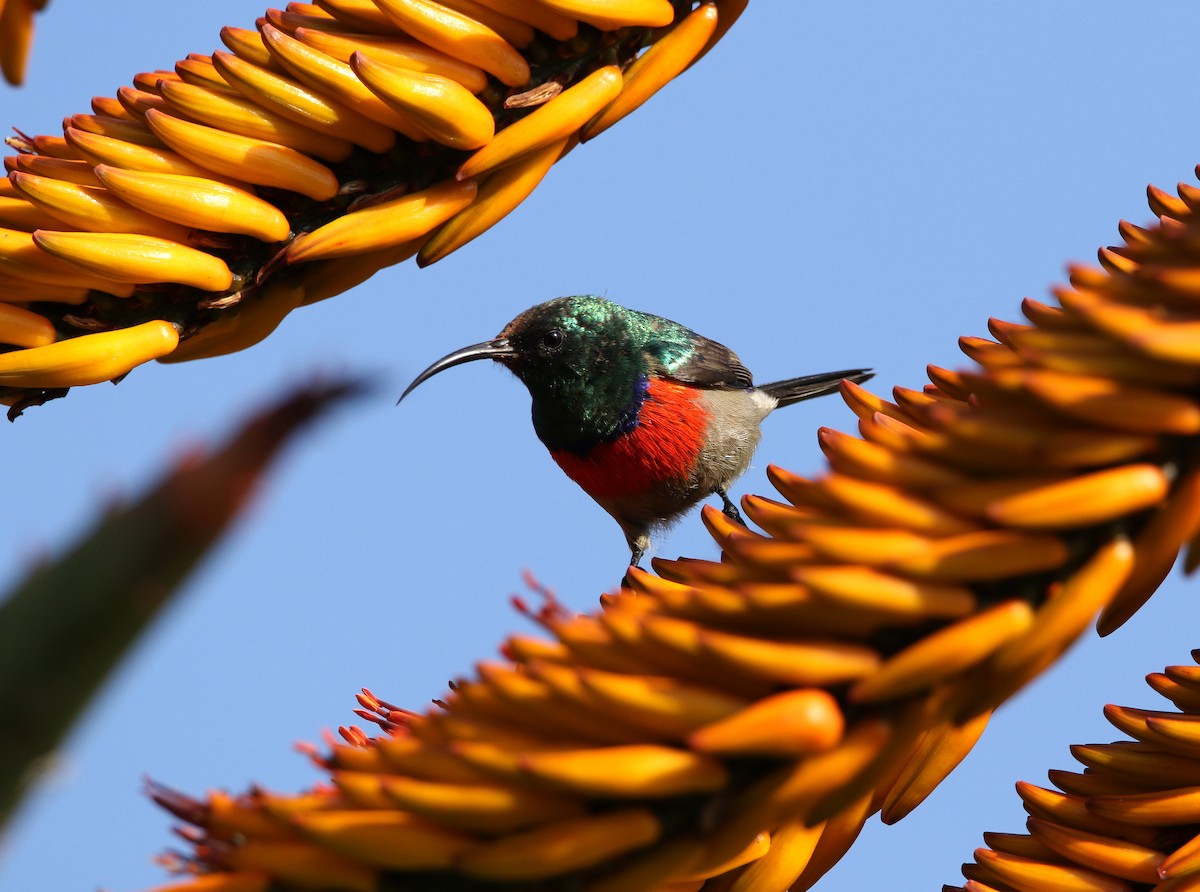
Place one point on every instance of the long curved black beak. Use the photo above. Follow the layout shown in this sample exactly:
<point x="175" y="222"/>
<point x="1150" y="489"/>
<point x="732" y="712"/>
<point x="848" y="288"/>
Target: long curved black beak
<point x="493" y="349"/>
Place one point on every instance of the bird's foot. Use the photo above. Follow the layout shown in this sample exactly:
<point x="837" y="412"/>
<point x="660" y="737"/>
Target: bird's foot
<point x="635" y="558"/>
<point x="729" y="509"/>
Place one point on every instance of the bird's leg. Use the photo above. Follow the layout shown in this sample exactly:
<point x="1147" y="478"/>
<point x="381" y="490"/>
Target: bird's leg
<point x="636" y="551"/>
<point x="729" y="510"/>
<point x="638" y="540"/>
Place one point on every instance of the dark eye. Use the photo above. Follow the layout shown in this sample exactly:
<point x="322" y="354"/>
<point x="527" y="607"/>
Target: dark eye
<point x="552" y="339"/>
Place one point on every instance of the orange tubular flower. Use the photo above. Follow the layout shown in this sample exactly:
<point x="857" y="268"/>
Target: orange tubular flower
<point x="16" y="36"/>
<point x="730" y="725"/>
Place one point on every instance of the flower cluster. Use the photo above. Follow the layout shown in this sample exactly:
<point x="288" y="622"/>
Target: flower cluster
<point x="730" y="725"/>
<point x="1127" y="823"/>
<point x="185" y="216"/>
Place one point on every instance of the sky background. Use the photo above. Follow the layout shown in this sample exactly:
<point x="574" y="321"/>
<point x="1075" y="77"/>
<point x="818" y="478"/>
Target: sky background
<point x="835" y="185"/>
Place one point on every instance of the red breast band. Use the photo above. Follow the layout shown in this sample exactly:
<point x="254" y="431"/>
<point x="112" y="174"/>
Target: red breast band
<point x="664" y="446"/>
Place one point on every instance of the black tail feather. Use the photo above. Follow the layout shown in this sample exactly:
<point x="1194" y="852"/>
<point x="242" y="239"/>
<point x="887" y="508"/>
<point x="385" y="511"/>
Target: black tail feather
<point x="793" y="390"/>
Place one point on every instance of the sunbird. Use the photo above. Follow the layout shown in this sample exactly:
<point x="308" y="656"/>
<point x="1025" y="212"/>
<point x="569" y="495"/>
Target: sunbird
<point x="647" y="416"/>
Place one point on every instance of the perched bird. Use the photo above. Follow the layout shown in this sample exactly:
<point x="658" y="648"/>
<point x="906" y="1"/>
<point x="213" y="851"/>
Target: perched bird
<point x="647" y="416"/>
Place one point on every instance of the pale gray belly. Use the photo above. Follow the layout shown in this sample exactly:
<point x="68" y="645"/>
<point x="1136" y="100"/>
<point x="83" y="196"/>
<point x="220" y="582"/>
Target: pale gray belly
<point x="733" y="435"/>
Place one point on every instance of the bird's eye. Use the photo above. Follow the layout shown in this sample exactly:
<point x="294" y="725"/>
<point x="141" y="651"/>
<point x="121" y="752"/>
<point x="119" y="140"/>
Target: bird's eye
<point x="552" y="339"/>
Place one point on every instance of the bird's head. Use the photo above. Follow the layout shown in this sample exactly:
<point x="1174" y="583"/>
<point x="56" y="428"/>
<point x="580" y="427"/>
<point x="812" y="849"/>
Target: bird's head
<point x="569" y="345"/>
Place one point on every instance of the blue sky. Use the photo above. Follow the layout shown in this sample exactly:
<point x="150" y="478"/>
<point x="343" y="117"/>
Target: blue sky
<point x="836" y="185"/>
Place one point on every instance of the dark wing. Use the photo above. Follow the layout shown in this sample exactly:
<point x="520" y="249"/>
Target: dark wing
<point x="793" y="390"/>
<point x="699" y="361"/>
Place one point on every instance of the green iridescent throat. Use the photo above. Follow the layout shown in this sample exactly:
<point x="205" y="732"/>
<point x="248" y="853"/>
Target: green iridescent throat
<point x="591" y="388"/>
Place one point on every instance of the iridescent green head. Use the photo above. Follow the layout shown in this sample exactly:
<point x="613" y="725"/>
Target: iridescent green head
<point x="586" y="362"/>
<point x="589" y="339"/>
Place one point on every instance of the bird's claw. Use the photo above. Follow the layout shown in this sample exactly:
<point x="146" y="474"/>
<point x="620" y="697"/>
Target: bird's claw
<point x="729" y="509"/>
